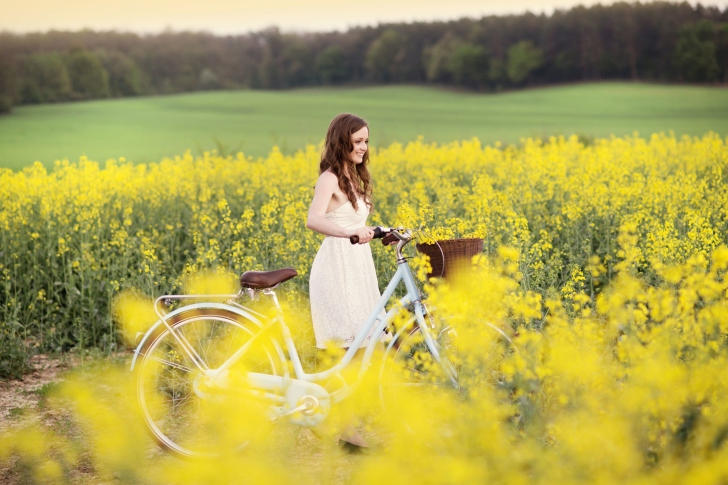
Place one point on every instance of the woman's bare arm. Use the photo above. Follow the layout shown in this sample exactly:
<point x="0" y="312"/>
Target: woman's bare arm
<point x="326" y="186"/>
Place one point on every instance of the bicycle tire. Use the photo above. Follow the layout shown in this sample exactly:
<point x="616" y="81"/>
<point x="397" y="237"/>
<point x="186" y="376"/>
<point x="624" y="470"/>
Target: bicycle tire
<point x="409" y="370"/>
<point x="175" y="411"/>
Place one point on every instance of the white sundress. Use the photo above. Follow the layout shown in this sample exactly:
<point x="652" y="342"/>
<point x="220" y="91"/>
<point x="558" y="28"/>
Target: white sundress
<point x="343" y="283"/>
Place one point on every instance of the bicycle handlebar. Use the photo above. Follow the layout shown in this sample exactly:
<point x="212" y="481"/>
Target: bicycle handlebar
<point x="379" y="232"/>
<point x="389" y="235"/>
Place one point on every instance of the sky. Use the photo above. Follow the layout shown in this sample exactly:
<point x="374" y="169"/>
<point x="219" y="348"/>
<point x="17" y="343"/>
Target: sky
<point x="240" y="16"/>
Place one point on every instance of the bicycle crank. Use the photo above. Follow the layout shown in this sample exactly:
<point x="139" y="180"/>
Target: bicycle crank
<point x="303" y="403"/>
<point x="306" y="403"/>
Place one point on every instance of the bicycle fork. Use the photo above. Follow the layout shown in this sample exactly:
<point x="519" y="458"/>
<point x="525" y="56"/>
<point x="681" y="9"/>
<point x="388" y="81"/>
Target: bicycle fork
<point x="432" y="346"/>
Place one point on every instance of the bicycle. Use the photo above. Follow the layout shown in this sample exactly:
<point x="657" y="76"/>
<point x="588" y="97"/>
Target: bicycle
<point x="209" y="351"/>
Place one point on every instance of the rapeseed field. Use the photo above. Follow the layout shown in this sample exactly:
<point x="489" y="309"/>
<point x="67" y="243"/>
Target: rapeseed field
<point x="605" y="264"/>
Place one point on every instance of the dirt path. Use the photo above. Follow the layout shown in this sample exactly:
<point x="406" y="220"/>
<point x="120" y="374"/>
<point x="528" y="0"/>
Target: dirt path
<point x="24" y="401"/>
<point x="21" y="397"/>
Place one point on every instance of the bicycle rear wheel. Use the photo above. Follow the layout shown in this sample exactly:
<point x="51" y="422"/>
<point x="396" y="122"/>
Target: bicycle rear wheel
<point x="184" y="413"/>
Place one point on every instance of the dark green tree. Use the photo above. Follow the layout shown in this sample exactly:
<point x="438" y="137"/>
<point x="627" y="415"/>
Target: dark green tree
<point x="8" y="82"/>
<point x="523" y="59"/>
<point x="721" y="50"/>
<point x="125" y="78"/>
<point x="43" y="79"/>
<point x="331" y="65"/>
<point x="269" y="72"/>
<point x="497" y="73"/>
<point x="624" y="32"/>
<point x="695" y="52"/>
<point x="296" y="62"/>
<point x="438" y="59"/>
<point x="89" y="79"/>
<point x="469" y="66"/>
<point x="385" y="57"/>
<point x="208" y="79"/>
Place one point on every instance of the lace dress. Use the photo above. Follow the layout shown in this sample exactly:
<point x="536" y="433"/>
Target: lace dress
<point x="343" y="284"/>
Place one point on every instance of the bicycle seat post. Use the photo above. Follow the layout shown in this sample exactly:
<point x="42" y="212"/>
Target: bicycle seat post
<point x="272" y="294"/>
<point x="252" y="294"/>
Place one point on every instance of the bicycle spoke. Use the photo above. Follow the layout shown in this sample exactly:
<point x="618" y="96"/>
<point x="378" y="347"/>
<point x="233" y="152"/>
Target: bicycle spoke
<point x="256" y="367"/>
<point x="177" y="404"/>
<point x="172" y="364"/>
<point x="427" y="385"/>
<point x="194" y="331"/>
<point x="227" y="352"/>
<point x="173" y="409"/>
<point x="410" y="374"/>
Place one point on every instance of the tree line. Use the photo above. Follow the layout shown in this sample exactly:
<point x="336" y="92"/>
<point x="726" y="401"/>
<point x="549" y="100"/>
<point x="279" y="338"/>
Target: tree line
<point x="659" y="41"/>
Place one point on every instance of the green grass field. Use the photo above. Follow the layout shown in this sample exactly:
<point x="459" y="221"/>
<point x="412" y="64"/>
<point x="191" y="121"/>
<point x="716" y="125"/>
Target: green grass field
<point x="147" y="129"/>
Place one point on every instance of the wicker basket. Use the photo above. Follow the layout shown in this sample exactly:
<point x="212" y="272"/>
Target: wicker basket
<point x="451" y="256"/>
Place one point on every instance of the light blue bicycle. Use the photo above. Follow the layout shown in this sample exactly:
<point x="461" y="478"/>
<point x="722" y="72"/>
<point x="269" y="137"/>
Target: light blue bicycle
<point x="203" y="351"/>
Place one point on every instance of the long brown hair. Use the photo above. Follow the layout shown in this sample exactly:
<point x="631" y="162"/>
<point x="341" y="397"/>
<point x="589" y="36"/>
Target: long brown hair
<point x="354" y="179"/>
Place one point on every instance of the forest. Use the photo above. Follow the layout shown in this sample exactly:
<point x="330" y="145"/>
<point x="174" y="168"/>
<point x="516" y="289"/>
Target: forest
<point x="655" y="42"/>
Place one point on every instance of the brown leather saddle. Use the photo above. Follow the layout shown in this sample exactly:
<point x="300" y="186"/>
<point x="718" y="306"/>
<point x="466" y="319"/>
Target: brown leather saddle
<point x="260" y="280"/>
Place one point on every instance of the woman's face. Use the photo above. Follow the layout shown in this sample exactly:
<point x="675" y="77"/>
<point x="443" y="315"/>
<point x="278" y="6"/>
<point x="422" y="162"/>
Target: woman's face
<point x="360" y="141"/>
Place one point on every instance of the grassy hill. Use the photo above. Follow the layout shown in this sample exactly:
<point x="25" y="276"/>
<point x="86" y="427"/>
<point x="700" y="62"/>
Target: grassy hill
<point x="147" y="129"/>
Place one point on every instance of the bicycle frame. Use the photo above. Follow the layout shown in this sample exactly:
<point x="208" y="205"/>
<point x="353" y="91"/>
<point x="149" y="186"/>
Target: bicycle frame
<point x="376" y="324"/>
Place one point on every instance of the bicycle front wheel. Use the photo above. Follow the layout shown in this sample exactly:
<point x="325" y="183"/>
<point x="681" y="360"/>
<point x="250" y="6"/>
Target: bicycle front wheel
<point x="410" y="371"/>
<point x="410" y="374"/>
<point x="186" y="415"/>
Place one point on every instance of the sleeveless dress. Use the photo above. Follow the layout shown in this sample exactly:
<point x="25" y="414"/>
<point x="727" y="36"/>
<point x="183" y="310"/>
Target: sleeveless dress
<point x="343" y="284"/>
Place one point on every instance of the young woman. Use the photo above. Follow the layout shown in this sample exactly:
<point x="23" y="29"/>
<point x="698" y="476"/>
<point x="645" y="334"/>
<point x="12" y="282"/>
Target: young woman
<point x="343" y="285"/>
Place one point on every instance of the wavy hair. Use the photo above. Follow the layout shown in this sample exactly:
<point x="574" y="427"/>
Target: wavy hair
<point x="354" y="179"/>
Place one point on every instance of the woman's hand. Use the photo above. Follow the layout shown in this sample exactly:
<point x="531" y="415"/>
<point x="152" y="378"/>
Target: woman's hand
<point x="365" y="234"/>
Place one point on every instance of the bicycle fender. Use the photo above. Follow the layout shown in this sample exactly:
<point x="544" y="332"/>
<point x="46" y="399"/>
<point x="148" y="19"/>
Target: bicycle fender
<point x="197" y="306"/>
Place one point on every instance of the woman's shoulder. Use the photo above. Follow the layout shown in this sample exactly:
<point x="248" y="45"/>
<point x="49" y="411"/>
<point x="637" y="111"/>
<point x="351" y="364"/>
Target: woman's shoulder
<point x="327" y="184"/>
<point x="329" y="179"/>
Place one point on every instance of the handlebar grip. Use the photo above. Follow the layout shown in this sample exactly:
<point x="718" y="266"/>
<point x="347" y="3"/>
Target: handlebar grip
<point x="378" y="234"/>
<point x="389" y="239"/>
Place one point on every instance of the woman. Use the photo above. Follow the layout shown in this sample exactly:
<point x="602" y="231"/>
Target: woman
<point x="343" y="284"/>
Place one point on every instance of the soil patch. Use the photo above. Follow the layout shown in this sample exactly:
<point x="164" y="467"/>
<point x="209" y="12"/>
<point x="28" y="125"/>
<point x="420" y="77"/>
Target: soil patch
<point x="20" y="397"/>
